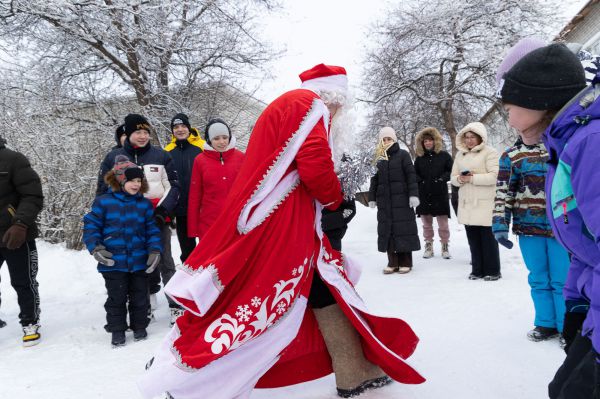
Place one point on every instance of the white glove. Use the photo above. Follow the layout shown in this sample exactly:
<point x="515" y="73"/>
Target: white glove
<point x="414" y="202"/>
<point x="372" y="204"/>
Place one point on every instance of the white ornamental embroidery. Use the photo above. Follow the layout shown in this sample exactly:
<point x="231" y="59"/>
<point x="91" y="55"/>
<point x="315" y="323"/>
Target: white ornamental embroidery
<point x="243" y="313"/>
<point x="256" y="301"/>
<point x="295" y="271"/>
<point x="228" y="333"/>
<point x="281" y="308"/>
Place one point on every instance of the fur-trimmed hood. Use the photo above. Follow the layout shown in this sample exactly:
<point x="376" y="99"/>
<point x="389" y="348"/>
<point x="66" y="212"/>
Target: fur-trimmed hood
<point x="114" y="185"/>
<point x="438" y="143"/>
<point x="476" y="127"/>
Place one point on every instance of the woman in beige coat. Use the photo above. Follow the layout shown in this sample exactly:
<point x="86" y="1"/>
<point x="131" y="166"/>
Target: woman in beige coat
<point x="475" y="171"/>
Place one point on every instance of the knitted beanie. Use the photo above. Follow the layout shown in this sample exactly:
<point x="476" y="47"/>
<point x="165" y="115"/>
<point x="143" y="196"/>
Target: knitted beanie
<point x="135" y="122"/>
<point x="544" y="79"/>
<point x="216" y="127"/>
<point x="181" y="119"/>
<point x="125" y="170"/>
<point x="515" y="53"/>
<point x="387" y="132"/>
<point x="119" y="131"/>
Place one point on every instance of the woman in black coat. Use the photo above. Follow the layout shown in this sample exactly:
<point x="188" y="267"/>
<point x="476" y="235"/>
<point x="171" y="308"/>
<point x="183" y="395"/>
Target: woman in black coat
<point x="394" y="190"/>
<point x="433" y="166"/>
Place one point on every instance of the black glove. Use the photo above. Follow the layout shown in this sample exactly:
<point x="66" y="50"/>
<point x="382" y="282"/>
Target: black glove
<point x="103" y="256"/>
<point x="572" y="327"/>
<point x="152" y="262"/>
<point x="574" y="317"/>
<point x="160" y="216"/>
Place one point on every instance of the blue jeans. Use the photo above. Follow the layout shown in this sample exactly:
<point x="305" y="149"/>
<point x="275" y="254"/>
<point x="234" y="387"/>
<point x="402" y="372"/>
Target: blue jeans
<point x="548" y="264"/>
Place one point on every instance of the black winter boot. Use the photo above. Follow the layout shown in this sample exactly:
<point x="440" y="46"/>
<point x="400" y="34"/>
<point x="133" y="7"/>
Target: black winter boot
<point x="140" y="334"/>
<point x="118" y="338"/>
<point x="542" y="333"/>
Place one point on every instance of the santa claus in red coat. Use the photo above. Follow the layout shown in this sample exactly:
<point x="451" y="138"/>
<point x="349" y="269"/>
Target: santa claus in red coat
<point x="268" y="302"/>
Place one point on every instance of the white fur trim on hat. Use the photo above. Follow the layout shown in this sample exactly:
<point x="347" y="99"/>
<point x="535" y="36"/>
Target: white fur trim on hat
<point x="217" y="129"/>
<point x="335" y="83"/>
<point x="387" y="132"/>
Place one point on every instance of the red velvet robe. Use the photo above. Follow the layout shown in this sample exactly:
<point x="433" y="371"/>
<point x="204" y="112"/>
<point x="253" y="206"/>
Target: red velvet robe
<point x="256" y="264"/>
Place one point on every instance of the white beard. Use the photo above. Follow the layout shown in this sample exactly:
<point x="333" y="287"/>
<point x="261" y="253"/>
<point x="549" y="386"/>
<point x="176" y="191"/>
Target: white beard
<point x="342" y="132"/>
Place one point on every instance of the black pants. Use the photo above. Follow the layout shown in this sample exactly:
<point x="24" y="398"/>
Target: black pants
<point x="166" y="266"/>
<point x="484" y="251"/>
<point x="22" y="269"/>
<point x="126" y="290"/>
<point x="320" y="296"/>
<point x="187" y="244"/>
<point x="575" y="377"/>
<point x="398" y="259"/>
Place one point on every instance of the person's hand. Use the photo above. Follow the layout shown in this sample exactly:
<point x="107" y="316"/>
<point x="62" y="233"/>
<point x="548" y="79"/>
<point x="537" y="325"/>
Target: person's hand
<point x="152" y="261"/>
<point x="160" y="216"/>
<point x="574" y="318"/>
<point x="413" y="202"/>
<point x="15" y="236"/>
<point x="502" y="238"/>
<point x="465" y="179"/>
<point x="103" y="256"/>
<point x="372" y="204"/>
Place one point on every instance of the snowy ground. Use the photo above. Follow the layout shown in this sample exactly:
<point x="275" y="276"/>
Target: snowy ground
<point x="473" y="343"/>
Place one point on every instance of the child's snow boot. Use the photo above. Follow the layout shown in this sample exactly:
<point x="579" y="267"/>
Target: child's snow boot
<point x="175" y="313"/>
<point x="140" y="334"/>
<point x="118" y="338"/>
<point x="542" y="333"/>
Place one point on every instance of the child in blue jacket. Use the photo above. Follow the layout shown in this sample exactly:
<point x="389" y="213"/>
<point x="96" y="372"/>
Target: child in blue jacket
<point x="121" y="234"/>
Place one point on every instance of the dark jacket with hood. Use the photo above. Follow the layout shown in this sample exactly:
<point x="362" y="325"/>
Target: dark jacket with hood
<point x="21" y="196"/>
<point x="433" y="173"/>
<point x="392" y="185"/>
<point x="183" y="153"/>
<point x="158" y="171"/>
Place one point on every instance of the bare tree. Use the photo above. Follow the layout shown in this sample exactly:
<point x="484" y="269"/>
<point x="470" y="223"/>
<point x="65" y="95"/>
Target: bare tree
<point x="438" y="59"/>
<point x="72" y="69"/>
<point x="157" y="50"/>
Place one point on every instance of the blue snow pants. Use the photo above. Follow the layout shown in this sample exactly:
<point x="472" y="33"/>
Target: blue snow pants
<point x="548" y="264"/>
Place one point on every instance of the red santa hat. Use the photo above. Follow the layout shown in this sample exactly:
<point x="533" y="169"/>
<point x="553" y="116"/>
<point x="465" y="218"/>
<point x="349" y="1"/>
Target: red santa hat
<point x="325" y="78"/>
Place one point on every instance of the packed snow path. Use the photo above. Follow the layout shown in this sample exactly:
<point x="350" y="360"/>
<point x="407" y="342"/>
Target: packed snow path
<point x="473" y="343"/>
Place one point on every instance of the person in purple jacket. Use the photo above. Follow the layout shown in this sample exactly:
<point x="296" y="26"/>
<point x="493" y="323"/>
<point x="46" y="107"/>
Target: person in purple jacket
<point x="546" y="90"/>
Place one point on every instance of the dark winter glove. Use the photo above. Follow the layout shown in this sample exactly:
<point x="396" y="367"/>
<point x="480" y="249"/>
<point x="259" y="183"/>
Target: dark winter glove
<point x="152" y="261"/>
<point x="502" y="238"/>
<point x="160" y="216"/>
<point x="15" y="236"/>
<point x="103" y="256"/>
<point x="574" y="318"/>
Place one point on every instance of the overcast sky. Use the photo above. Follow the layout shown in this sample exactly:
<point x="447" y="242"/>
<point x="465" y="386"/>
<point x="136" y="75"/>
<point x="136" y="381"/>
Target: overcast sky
<point x="328" y="31"/>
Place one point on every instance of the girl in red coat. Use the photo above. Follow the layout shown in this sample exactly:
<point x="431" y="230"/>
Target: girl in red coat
<point x="213" y="174"/>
